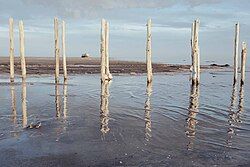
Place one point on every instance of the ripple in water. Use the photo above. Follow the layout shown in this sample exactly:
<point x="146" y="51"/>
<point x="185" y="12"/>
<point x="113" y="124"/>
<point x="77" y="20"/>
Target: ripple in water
<point x="84" y="122"/>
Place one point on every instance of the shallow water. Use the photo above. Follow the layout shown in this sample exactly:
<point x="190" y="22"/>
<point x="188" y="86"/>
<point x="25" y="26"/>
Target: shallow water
<point x="125" y="122"/>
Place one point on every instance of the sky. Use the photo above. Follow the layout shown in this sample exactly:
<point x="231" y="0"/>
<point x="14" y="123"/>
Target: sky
<point x="171" y="27"/>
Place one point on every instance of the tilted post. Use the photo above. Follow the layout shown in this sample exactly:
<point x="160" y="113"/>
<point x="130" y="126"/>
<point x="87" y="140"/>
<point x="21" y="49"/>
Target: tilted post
<point x="149" y="52"/>
<point x="192" y="43"/>
<point x="22" y="50"/>
<point x="195" y="54"/>
<point x="243" y="62"/>
<point x="236" y="50"/>
<point x="11" y="51"/>
<point x="64" y="51"/>
<point x="197" y="27"/>
<point x="107" y="72"/>
<point x="102" y="50"/>
<point x="57" y="58"/>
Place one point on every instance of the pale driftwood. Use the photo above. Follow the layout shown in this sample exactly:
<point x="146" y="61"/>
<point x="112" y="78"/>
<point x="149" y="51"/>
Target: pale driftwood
<point x="107" y="72"/>
<point x="64" y="51"/>
<point x="198" y="50"/>
<point x="195" y="54"/>
<point x="24" y="104"/>
<point x="22" y="49"/>
<point x="192" y="41"/>
<point x="57" y="56"/>
<point x="149" y="52"/>
<point x="102" y="50"/>
<point x="11" y="51"/>
<point x="236" y="50"/>
<point x="243" y="62"/>
<point x="194" y="58"/>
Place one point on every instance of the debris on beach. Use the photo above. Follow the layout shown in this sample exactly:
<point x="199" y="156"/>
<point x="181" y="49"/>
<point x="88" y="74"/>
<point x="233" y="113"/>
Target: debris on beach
<point x="34" y="125"/>
<point x="85" y="55"/>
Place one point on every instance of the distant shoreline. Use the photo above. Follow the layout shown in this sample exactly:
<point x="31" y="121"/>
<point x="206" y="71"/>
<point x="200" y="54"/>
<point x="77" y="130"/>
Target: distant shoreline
<point x="77" y="65"/>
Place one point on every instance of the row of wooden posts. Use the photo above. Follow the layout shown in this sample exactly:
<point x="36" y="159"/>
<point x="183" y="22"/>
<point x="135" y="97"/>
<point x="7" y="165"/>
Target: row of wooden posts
<point x="104" y="50"/>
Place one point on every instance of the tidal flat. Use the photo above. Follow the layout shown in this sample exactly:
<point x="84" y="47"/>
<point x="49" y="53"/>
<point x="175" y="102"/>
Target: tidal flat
<point x="125" y="122"/>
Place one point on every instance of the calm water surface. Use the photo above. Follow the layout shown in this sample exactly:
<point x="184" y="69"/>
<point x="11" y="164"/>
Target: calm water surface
<point x="125" y="122"/>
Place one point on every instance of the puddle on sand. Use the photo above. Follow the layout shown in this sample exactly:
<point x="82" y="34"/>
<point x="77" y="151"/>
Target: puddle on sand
<point x="125" y="122"/>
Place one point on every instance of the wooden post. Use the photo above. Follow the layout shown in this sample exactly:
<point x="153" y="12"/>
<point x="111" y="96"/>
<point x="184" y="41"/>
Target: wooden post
<point x="64" y="52"/>
<point x="236" y="50"/>
<point x="22" y="50"/>
<point x="243" y="62"/>
<point x="102" y="50"/>
<point x="195" y="54"/>
<point x="197" y="27"/>
<point x="107" y="72"/>
<point x="149" y="53"/>
<point x="11" y="51"/>
<point x="57" y="58"/>
<point x="192" y="43"/>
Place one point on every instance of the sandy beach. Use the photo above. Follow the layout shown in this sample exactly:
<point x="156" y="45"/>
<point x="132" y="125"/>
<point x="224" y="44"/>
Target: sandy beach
<point x="75" y="65"/>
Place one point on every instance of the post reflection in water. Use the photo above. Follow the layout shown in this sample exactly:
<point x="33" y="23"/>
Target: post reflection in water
<point x="148" y="109"/>
<point x="57" y="100"/>
<point x="193" y="111"/>
<point x="65" y="96"/>
<point x="104" y="107"/>
<point x="24" y="103"/>
<point x="13" y="103"/>
<point x="241" y="101"/>
<point x="234" y="113"/>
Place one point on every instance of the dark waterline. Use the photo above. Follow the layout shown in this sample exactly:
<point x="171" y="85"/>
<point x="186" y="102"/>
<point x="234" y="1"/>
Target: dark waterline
<point x="125" y="122"/>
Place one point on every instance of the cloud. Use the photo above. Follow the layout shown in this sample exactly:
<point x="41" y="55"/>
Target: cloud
<point x="94" y="8"/>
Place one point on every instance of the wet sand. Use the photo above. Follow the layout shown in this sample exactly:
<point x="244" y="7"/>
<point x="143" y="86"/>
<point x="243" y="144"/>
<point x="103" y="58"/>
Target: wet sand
<point x="84" y="122"/>
<point x="75" y="65"/>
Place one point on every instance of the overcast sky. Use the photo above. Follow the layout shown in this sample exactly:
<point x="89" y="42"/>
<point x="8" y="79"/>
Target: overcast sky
<point x="171" y="19"/>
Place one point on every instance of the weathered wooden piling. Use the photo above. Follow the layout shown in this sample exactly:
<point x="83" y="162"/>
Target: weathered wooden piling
<point x="11" y="51"/>
<point x="197" y="27"/>
<point x="243" y="62"/>
<point x="64" y="51"/>
<point x="236" y="50"/>
<point x="195" y="53"/>
<point x="192" y="43"/>
<point x="57" y="56"/>
<point x="22" y="49"/>
<point x="105" y="72"/>
<point x="108" y="74"/>
<point x="149" y="52"/>
<point x="102" y="50"/>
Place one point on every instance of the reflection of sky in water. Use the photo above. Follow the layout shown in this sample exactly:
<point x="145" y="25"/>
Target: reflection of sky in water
<point x="137" y="134"/>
